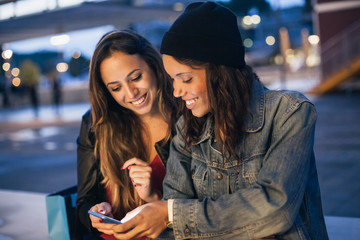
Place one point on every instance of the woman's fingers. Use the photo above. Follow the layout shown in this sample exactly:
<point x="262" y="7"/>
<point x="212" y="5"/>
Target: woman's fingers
<point x="104" y="227"/>
<point x="134" y="161"/>
<point x="139" y="171"/>
<point x="103" y="208"/>
<point x="140" y="174"/>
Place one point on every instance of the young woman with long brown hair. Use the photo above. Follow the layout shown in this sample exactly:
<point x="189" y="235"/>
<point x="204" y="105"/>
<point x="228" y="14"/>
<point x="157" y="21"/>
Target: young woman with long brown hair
<point x="124" y="138"/>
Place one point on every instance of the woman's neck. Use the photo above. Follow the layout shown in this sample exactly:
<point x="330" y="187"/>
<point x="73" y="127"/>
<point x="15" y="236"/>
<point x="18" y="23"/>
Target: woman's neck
<point x="156" y="129"/>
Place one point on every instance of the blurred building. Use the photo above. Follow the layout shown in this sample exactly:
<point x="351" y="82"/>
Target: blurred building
<point x="334" y="21"/>
<point x="265" y="47"/>
<point x="337" y="22"/>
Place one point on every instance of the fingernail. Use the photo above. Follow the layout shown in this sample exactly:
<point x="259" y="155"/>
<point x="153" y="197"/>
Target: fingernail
<point x="102" y="211"/>
<point x="122" y="168"/>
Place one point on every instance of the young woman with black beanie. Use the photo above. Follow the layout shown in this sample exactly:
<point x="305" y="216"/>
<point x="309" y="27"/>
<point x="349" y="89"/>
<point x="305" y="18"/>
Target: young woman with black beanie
<point x="242" y="164"/>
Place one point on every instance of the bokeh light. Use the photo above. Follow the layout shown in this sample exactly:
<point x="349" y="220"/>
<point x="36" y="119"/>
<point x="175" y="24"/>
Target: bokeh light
<point x="15" y="72"/>
<point x="178" y="7"/>
<point x="16" y="82"/>
<point x="60" y="40"/>
<point x="7" y="54"/>
<point x="247" y="20"/>
<point x="76" y="54"/>
<point x="255" y="19"/>
<point x="270" y="40"/>
<point x="248" y="42"/>
<point x="278" y="60"/>
<point x="6" y="67"/>
<point x="62" y="67"/>
<point x="314" y="39"/>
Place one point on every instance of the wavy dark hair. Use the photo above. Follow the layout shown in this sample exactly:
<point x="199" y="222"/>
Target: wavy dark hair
<point x="118" y="130"/>
<point x="229" y="93"/>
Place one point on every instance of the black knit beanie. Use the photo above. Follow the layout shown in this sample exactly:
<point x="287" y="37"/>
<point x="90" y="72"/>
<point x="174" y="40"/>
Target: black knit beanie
<point x="208" y="32"/>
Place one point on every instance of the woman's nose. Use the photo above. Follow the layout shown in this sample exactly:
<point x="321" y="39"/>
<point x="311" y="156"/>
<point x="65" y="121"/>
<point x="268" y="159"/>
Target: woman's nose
<point x="178" y="89"/>
<point x="131" y="91"/>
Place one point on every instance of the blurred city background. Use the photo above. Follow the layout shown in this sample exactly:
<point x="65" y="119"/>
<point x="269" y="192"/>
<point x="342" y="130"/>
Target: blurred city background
<point x="307" y="45"/>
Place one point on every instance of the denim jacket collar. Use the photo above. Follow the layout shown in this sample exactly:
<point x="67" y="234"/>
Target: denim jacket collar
<point x="255" y="119"/>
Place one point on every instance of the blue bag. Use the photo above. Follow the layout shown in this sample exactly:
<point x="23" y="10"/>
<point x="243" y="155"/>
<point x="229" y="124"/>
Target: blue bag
<point x="60" y="208"/>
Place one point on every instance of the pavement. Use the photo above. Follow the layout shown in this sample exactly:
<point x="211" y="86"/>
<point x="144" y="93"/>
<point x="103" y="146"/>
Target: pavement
<point x="337" y="150"/>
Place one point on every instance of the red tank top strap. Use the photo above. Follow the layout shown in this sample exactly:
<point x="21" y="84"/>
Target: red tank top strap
<point x="158" y="173"/>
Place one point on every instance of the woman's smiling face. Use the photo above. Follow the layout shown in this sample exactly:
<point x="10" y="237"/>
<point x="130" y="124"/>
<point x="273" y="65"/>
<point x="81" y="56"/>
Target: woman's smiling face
<point x="189" y="84"/>
<point x="131" y="82"/>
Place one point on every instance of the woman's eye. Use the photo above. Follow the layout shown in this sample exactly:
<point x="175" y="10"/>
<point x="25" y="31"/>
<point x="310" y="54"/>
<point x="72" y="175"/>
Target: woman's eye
<point x="115" y="89"/>
<point x="187" y="80"/>
<point x="137" y="78"/>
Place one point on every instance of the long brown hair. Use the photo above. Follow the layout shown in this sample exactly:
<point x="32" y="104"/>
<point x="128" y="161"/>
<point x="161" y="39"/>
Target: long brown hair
<point x="229" y="92"/>
<point x="118" y="130"/>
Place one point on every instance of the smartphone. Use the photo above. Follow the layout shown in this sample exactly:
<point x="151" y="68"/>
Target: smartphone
<point x="105" y="218"/>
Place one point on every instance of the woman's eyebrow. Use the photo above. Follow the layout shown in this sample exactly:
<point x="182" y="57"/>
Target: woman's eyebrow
<point x="127" y="76"/>
<point x="135" y="70"/>
<point x="182" y="73"/>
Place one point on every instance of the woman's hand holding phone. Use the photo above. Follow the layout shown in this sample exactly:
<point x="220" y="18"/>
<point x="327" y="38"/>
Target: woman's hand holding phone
<point x="103" y="212"/>
<point x="106" y="219"/>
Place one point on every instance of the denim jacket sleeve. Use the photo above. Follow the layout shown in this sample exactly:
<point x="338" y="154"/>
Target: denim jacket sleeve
<point x="271" y="205"/>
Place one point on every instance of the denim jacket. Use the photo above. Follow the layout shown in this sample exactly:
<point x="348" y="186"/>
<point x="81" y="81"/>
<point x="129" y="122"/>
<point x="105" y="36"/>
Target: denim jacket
<point x="272" y="189"/>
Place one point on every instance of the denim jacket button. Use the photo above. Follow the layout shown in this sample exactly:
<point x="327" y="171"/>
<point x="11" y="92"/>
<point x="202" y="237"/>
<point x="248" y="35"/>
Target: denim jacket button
<point x="219" y="176"/>
<point x="187" y="231"/>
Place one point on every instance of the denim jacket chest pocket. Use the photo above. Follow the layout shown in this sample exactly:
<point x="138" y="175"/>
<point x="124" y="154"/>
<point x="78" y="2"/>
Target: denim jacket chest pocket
<point x="245" y="174"/>
<point x="210" y="177"/>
